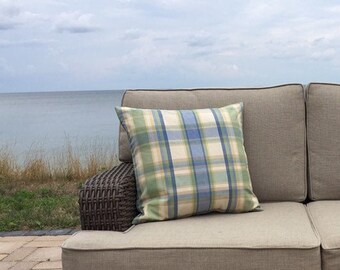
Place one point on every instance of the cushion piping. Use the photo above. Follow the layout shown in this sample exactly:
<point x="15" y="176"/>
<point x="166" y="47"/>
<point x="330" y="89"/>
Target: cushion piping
<point x="214" y="88"/>
<point x="193" y="248"/>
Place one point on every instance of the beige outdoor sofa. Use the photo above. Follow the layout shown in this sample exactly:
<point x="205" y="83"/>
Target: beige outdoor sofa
<point x="292" y="139"/>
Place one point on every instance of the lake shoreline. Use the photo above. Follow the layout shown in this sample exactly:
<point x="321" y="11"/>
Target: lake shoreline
<point x="42" y="194"/>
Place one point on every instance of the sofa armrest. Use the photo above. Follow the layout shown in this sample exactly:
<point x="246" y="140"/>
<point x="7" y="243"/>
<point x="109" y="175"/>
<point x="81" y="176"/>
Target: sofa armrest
<point x="107" y="201"/>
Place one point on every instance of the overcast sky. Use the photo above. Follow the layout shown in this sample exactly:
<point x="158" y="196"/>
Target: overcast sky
<point x="56" y="45"/>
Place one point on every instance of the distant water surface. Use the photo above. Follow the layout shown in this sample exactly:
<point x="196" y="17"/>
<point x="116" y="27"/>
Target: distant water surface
<point x="48" y="119"/>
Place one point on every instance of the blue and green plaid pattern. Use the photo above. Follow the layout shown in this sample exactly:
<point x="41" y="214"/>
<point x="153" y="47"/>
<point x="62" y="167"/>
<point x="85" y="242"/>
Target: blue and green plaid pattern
<point x="188" y="162"/>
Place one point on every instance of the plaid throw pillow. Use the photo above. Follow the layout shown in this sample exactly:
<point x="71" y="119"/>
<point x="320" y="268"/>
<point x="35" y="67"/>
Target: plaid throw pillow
<point x="188" y="162"/>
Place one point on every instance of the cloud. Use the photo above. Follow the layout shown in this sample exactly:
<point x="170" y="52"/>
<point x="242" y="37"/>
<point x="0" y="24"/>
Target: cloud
<point x="202" y="40"/>
<point x="323" y="55"/>
<point x="9" y="15"/>
<point x="172" y="4"/>
<point x="181" y="54"/>
<point x="131" y="34"/>
<point x="171" y="42"/>
<point x="26" y="43"/>
<point x="5" y="67"/>
<point x="12" y="16"/>
<point x="6" y="25"/>
<point x="211" y="68"/>
<point x="75" y="22"/>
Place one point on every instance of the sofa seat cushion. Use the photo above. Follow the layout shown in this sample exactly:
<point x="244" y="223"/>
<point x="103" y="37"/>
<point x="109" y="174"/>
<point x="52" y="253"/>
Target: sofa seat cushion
<point x="280" y="237"/>
<point x="326" y="219"/>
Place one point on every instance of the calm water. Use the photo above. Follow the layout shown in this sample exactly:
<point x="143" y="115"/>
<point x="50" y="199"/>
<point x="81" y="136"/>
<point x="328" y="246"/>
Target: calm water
<point x="51" y="118"/>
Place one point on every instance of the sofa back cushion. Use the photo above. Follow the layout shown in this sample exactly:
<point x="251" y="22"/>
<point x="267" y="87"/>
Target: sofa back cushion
<point x="274" y="131"/>
<point x="323" y="140"/>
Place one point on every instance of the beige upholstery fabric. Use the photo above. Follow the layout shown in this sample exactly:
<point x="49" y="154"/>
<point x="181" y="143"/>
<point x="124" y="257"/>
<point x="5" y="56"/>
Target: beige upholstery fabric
<point x="330" y="259"/>
<point x="323" y="129"/>
<point x="274" y="132"/>
<point x="190" y="259"/>
<point x="325" y="216"/>
<point x="280" y="237"/>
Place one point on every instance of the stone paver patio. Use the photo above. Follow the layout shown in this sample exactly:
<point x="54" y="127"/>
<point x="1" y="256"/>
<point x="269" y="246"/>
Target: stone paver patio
<point x="31" y="252"/>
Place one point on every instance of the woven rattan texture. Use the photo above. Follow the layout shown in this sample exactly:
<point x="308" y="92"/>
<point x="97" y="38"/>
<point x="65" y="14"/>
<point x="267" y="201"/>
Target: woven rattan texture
<point x="107" y="201"/>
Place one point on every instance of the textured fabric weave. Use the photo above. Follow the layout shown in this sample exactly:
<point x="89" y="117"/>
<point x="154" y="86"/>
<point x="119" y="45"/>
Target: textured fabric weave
<point x="323" y="129"/>
<point x="280" y="237"/>
<point x="274" y="130"/>
<point x="326" y="220"/>
<point x="188" y="162"/>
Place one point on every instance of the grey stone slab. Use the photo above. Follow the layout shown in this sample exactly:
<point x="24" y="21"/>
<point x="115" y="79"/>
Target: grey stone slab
<point x="37" y="233"/>
<point x="14" y="233"/>
<point x="73" y="231"/>
<point x="68" y="231"/>
<point x="59" y="232"/>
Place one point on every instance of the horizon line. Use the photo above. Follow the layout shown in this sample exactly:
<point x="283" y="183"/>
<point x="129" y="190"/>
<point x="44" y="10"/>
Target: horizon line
<point x="59" y="91"/>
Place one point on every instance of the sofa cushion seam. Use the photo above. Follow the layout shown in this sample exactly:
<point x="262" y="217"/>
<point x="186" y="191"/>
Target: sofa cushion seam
<point x="194" y="248"/>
